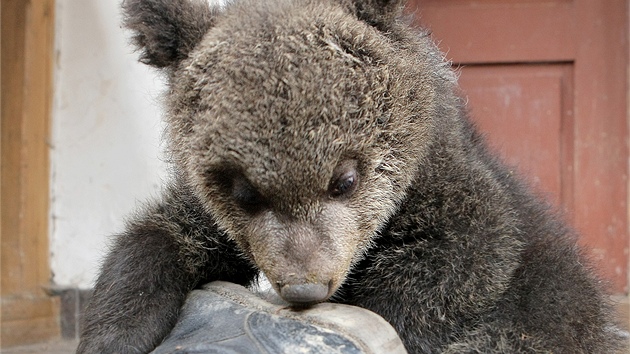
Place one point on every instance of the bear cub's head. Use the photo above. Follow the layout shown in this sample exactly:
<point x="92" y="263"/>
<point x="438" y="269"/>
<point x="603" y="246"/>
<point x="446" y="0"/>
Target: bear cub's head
<point x="299" y="124"/>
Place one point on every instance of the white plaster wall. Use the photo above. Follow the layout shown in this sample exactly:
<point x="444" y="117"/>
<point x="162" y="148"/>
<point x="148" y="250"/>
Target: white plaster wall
<point x="106" y="151"/>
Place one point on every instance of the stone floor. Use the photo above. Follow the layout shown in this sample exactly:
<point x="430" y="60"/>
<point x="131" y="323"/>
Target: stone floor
<point x="53" y="347"/>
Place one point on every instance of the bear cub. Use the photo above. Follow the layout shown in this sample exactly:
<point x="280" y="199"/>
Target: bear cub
<point x="323" y="143"/>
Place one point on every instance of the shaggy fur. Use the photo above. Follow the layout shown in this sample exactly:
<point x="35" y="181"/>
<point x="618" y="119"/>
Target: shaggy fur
<point x="323" y="143"/>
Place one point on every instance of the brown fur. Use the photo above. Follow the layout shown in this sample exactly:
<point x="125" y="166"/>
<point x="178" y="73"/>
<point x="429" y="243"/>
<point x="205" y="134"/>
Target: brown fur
<point x="323" y="143"/>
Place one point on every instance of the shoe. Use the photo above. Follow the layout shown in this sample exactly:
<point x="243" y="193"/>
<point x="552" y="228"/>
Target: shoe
<point x="228" y="318"/>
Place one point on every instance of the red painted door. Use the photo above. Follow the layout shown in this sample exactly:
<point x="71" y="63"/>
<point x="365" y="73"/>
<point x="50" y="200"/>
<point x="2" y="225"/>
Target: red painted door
<point x="546" y="80"/>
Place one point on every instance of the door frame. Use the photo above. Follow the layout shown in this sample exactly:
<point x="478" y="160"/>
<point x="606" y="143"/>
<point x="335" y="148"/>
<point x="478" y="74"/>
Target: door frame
<point x="29" y="313"/>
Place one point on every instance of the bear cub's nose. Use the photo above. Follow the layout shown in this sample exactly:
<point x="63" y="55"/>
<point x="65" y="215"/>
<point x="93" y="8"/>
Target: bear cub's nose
<point x="304" y="294"/>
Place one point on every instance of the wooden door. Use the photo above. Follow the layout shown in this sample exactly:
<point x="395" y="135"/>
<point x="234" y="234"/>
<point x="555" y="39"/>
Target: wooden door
<point x="547" y="81"/>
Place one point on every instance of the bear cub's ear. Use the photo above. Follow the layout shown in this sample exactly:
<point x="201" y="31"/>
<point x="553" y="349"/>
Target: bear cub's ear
<point x="165" y="31"/>
<point x="378" y="13"/>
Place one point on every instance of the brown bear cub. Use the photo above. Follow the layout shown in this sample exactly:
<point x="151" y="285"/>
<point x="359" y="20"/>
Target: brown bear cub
<point x="323" y="143"/>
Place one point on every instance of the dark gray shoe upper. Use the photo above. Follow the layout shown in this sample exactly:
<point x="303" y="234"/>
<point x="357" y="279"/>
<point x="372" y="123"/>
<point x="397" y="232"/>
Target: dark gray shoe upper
<point x="228" y="318"/>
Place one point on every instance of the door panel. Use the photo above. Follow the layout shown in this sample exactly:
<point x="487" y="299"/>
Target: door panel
<point x="546" y="81"/>
<point x="497" y="94"/>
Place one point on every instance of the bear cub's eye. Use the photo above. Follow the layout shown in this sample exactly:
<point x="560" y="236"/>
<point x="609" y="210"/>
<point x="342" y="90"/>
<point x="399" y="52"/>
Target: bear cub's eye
<point x="246" y="196"/>
<point x="345" y="180"/>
